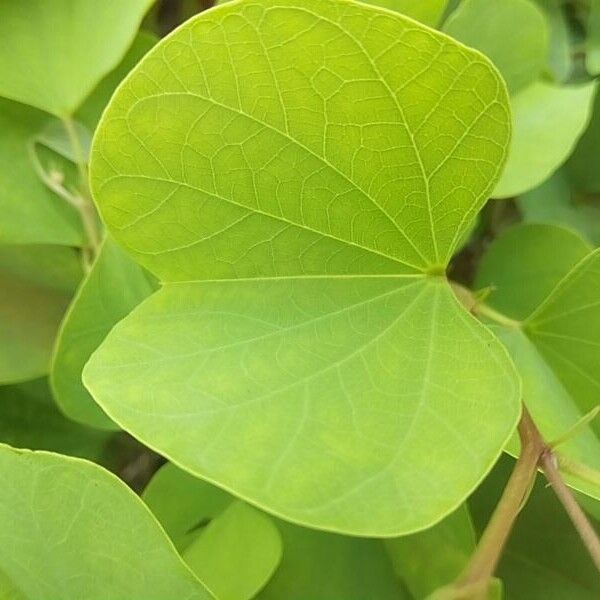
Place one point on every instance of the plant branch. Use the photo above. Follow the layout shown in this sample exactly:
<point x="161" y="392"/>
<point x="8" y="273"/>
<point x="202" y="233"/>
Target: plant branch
<point x="581" y="523"/>
<point x="484" y="561"/>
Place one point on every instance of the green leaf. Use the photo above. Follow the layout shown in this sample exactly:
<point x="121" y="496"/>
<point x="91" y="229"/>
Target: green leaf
<point x="559" y="61"/>
<point x="326" y="340"/>
<point x="52" y="54"/>
<point x="582" y="167"/>
<point x="29" y="419"/>
<point x="555" y="203"/>
<point x="314" y="565"/>
<point x="592" y="58"/>
<point x="435" y="557"/>
<point x="114" y="286"/>
<point x="525" y="263"/>
<point x="513" y="33"/>
<point x="231" y="546"/>
<point x="544" y="558"/>
<point x="37" y="283"/>
<point x="90" y="111"/>
<point x="428" y="12"/>
<point x="55" y="137"/>
<point x="31" y="214"/>
<point x="556" y="274"/>
<point x="548" y="121"/>
<point x="70" y="529"/>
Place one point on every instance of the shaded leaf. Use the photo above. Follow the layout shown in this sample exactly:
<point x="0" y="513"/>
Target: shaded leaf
<point x="37" y="283"/>
<point x="592" y="59"/>
<point x="41" y="57"/>
<point x="114" y="286"/>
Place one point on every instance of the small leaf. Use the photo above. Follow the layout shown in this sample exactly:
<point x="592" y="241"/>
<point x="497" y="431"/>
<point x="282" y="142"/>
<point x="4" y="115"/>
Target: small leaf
<point x="70" y="529"/>
<point x="519" y="52"/>
<point x="53" y="54"/>
<point x="114" y="286"/>
<point x="538" y="148"/>
<point x="545" y="558"/>
<point x="37" y="283"/>
<point x="231" y="546"/>
<point x="31" y="214"/>
<point x="524" y="264"/>
<point x="435" y="557"/>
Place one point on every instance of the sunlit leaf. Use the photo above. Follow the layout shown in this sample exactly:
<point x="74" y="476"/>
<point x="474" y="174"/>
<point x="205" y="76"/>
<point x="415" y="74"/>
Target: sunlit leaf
<point x="513" y="33"/>
<point x="544" y="559"/>
<point x="52" y="54"/>
<point x="70" y="529"/>
<point x="114" y="286"/>
<point x="327" y="340"/>
<point x="231" y="546"/>
<point x="31" y="213"/>
<point x="37" y="283"/>
<point x="548" y="121"/>
<point x="435" y="557"/>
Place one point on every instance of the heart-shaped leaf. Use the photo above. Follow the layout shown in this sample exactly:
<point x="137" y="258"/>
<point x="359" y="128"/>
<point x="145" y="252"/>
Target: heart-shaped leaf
<point x="300" y="218"/>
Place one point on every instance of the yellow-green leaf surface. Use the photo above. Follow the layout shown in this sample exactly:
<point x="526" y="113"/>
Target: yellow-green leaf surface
<point x="430" y="559"/>
<point x="231" y="546"/>
<point x="37" y="283"/>
<point x="52" y="54"/>
<point x="313" y="565"/>
<point x="31" y="213"/>
<point x="554" y="202"/>
<point x="555" y="348"/>
<point x="300" y="219"/>
<point x="545" y="558"/>
<point x="114" y="286"/>
<point x="70" y="529"/>
<point x="538" y="148"/>
<point x="426" y="11"/>
<point x="29" y="419"/>
<point x="513" y="33"/>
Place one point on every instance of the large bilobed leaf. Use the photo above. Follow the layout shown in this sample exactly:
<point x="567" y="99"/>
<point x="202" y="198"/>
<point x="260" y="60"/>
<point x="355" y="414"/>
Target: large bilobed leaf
<point x="555" y="203"/>
<point x="300" y="219"/>
<point x="582" y="167"/>
<point x="513" y="33"/>
<point x="538" y="148"/>
<point x="545" y="558"/>
<point x="70" y="529"/>
<point x="430" y="559"/>
<point x="525" y="263"/>
<point x="31" y="214"/>
<point x="37" y="283"/>
<point x="114" y="286"/>
<point x="560" y="383"/>
<point x="426" y="11"/>
<point x="592" y="59"/>
<point x="52" y="54"/>
<point x="29" y="419"/>
<point x="231" y="546"/>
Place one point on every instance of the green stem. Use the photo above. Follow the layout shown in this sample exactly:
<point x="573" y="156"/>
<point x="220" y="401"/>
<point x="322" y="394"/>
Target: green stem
<point x="483" y="310"/>
<point x="574" y="467"/>
<point x="80" y="159"/>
